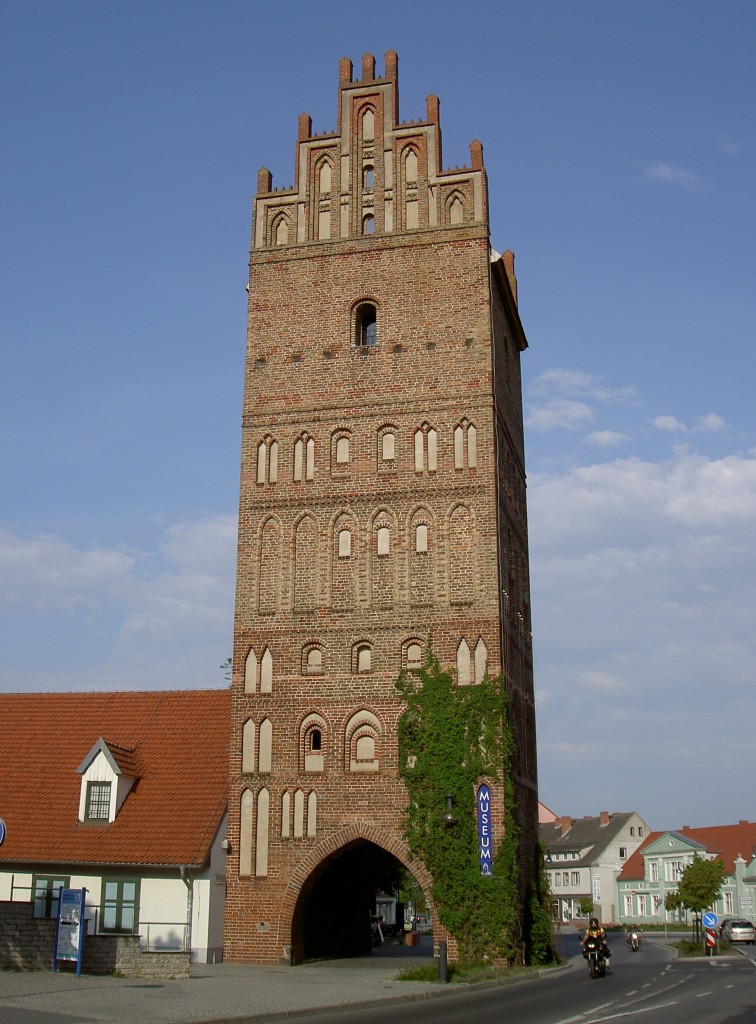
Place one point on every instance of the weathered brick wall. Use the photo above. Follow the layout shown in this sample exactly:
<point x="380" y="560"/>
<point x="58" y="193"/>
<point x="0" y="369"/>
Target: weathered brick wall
<point x="447" y="354"/>
<point x="28" y="943"/>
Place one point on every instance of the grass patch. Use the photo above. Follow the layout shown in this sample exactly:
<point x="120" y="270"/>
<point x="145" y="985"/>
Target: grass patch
<point x="467" y="973"/>
<point x="687" y="947"/>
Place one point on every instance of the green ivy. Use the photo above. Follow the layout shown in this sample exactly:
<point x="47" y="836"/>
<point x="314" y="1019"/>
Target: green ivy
<point x="539" y="922"/>
<point x="452" y="739"/>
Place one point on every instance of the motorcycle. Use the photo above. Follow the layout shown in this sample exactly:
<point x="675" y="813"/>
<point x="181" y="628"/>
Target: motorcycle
<point x="633" y="940"/>
<point x="594" y="954"/>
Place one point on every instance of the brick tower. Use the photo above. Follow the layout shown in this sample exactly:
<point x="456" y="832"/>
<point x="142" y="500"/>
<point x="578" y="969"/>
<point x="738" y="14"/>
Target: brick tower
<point x="382" y="504"/>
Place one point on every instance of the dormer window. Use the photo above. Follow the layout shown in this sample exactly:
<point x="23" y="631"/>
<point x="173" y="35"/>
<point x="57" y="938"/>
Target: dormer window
<point x="107" y="774"/>
<point x="98" y="801"/>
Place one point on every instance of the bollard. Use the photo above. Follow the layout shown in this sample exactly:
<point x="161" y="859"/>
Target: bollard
<point x="442" y="973"/>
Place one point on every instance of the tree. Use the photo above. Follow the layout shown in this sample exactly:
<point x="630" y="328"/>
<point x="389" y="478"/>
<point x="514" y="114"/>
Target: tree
<point x="672" y="901"/>
<point x="586" y="906"/>
<point x="700" y="885"/>
<point x="227" y="666"/>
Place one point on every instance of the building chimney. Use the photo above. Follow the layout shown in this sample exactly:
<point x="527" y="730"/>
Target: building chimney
<point x="604" y="818"/>
<point x="565" y="825"/>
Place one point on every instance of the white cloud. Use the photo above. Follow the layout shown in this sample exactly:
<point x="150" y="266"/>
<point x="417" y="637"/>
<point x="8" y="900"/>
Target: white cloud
<point x="146" y="619"/>
<point x="559" y="413"/>
<point x="669" y="423"/>
<point x="711" y="423"/>
<point x="577" y="383"/>
<point x="45" y="570"/>
<point x="644" y="583"/>
<point x="671" y="175"/>
<point x="191" y="592"/>
<point x="562" y="398"/>
<point x="607" y="438"/>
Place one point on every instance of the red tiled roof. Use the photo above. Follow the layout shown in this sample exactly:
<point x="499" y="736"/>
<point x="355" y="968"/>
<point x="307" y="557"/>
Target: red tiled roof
<point x="727" y="842"/>
<point x="180" y="744"/>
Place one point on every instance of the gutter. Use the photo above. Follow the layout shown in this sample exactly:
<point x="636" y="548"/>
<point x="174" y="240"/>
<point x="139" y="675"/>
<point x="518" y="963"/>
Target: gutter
<point x="186" y="878"/>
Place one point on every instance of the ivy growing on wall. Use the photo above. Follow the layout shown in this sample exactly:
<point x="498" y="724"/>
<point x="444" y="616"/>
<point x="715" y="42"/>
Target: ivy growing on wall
<point x="451" y="739"/>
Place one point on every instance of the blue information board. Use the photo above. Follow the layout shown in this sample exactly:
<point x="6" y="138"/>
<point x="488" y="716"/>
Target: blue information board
<point x="69" y="933"/>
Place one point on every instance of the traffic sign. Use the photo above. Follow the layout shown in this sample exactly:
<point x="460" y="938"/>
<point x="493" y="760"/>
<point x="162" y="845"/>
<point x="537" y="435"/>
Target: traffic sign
<point x="710" y="920"/>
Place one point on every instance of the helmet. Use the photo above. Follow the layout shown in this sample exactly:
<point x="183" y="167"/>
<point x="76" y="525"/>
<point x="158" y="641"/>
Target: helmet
<point x="594" y="922"/>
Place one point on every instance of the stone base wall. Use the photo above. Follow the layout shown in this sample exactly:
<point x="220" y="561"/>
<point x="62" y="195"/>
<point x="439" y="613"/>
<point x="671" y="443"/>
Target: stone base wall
<point x="27" y="943"/>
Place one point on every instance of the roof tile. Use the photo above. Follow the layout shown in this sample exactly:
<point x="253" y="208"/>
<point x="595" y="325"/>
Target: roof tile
<point x="177" y="744"/>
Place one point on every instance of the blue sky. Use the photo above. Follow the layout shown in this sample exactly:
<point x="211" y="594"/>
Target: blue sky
<point x="619" y="139"/>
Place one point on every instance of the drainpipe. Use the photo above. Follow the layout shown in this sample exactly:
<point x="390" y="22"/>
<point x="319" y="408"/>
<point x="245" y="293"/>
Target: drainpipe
<point x="188" y="881"/>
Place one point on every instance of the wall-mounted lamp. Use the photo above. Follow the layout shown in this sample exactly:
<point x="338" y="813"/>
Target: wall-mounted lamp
<point x="448" y="820"/>
<point x="226" y="845"/>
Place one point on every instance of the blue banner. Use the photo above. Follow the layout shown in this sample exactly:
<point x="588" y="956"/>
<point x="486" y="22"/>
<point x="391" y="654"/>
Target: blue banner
<point x="484" y="830"/>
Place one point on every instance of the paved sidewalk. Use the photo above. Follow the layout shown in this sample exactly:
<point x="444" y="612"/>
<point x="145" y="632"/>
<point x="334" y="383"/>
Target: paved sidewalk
<point x="214" y="992"/>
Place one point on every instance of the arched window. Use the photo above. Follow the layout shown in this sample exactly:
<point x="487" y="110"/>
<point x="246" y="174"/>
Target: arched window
<point x="248" y="746"/>
<point x="463" y="664"/>
<point x="384" y="540"/>
<point x="368" y="125"/>
<point x="465" y="445"/>
<point x="410" y="168"/>
<point x="266" y="672"/>
<point x="312" y="814"/>
<point x="481" y="661"/>
<point x="342" y="450"/>
<point x="280" y="231"/>
<point x="325" y="177"/>
<point x="363" y="734"/>
<point x="414" y="656"/>
<point x="456" y="211"/>
<point x="365" y="325"/>
<point x="421" y="538"/>
<point x="314" y="661"/>
<point x="345" y="543"/>
<point x="312" y="735"/>
<point x="267" y="460"/>
<point x="304" y="458"/>
<point x="286" y="815"/>
<point x="426" y="449"/>
<point x="261" y="839"/>
<point x="246" y="832"/>
<point x="365" y="747"/>
<point x="368" y="224"/>
<point x="388" y="446"/>
<point x="250" y="672"/>
<point x="362" y="657"/>
<point x="266" y="746"/>
<point x="368" y="176"/>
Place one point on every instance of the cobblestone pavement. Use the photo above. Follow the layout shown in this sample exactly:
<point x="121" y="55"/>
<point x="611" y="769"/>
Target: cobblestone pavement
<point x="213" y="993"/>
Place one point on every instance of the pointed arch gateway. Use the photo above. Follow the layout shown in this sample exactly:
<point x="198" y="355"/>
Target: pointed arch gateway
<point x="331" y="886"/>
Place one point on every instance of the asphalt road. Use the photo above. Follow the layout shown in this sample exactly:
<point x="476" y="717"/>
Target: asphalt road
<point x="650" y="987"/>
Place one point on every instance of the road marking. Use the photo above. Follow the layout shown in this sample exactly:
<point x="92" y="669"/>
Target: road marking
<point x="632" y="1013"/>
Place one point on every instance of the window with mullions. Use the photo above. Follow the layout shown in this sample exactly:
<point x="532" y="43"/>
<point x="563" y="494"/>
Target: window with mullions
<point x="98" y="801"/>
<point x="120" y="903"/>
<point x="46" y="893"/>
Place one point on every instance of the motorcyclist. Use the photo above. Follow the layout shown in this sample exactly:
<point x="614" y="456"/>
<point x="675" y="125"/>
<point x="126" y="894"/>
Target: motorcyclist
<point x="594" y="929"/>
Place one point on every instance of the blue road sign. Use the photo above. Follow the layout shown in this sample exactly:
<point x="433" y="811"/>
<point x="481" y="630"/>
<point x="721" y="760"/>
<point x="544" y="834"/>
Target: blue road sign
<point x="710" y="920"/>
